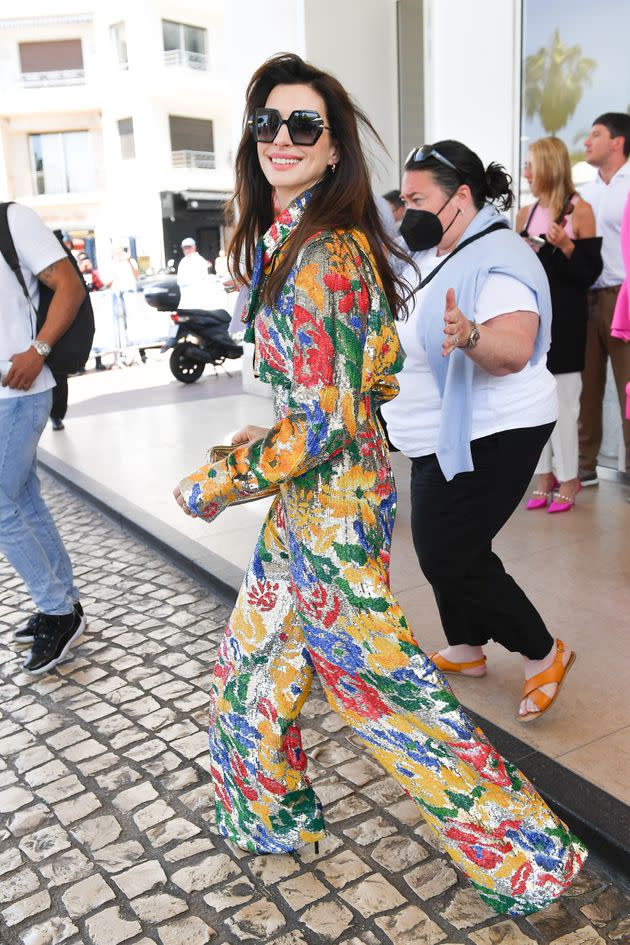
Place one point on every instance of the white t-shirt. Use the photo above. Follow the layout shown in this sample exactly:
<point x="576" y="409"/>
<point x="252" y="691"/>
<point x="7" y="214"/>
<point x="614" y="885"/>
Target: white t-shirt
<point x="608" y="202"/>
<point x="525" y="399"/>
<point x="37" y="247"/>
<point x="192" y="278"/>
<point x="123" y="273"/>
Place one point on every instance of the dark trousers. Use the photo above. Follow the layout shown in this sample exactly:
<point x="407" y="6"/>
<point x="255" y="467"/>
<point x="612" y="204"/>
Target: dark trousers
<point x="600" y="345"/>
<point x="59" y="397"/>
<point x="453" y="524"/>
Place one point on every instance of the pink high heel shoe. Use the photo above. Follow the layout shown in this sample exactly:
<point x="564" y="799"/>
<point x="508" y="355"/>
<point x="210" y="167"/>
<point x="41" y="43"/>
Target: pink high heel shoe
<point x="539" y="500"/>
<point x="563" y="503"/>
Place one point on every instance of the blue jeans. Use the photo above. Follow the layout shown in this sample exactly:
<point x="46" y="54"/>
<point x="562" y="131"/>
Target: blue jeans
<point x="28" y="535"/>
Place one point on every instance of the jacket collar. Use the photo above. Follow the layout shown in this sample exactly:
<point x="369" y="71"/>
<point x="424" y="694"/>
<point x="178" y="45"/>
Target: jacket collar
<point x="269" y="244"/>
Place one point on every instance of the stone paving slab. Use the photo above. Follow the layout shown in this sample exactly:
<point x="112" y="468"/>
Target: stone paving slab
<point x="107" y="822"/>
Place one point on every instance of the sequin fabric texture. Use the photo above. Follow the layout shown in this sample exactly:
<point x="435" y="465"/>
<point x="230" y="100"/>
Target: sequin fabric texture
<point x="316" y="599"/>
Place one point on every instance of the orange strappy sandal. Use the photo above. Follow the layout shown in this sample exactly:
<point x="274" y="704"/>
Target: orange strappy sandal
<point x="457" y="668"/>
<point x="556" y="673"/>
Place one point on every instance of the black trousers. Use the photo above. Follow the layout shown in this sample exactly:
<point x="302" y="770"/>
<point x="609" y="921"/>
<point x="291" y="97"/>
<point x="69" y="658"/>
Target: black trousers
<point x="453" y="524"/>
<point x="59" y="397"/>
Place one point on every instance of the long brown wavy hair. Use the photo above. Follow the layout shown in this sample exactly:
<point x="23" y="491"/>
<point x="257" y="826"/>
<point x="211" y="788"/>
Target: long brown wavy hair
<point x="342" y="200"/>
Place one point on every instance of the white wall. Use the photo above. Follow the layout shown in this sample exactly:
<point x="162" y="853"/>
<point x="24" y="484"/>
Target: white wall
<point x="253" y="33"/>
<point x="126" y="201"/>
<point x="356" y="40"/>
<point x="472" y="65"/>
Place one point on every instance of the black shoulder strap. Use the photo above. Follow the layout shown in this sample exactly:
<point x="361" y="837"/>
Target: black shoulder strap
<point x="525" y="230"/>
<point x="499" y="225"/>
<point x="8" y="250"/>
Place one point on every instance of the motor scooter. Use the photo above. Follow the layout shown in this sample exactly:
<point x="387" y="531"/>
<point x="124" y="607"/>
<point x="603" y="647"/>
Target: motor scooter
<point x="202" y="337"/>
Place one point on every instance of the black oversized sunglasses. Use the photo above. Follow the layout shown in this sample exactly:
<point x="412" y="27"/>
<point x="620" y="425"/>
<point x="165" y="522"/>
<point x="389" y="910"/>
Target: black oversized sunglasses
<point x="304" y="127"/>
<point x="423" y="153"/>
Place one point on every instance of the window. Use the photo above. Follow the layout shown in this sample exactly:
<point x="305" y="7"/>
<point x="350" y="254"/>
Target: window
<point x="127" y="143"/>
<point x="118" y="35"/>
<point x="184" y="45"/>
<point x="63" y="162"/>
<point x="59" y="62"/>
<point x="192" y="142"/>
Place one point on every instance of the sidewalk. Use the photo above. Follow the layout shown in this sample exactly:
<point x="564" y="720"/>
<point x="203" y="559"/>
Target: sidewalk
<point x="107" y="817"/>
<point x="127" y="448"/>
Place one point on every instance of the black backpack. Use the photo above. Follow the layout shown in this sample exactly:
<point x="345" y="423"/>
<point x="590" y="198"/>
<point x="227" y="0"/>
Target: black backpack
<point x="73" y="348"/>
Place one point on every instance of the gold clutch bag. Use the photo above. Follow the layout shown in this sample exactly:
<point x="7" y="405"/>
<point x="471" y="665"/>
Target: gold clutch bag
<point x="217" y="453"/>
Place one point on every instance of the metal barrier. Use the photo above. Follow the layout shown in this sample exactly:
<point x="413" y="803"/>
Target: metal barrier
<point x="123" y="322"/>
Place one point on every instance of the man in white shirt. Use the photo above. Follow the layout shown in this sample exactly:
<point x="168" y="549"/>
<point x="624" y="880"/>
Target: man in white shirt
<point x="28" y="536"/>
<point x="221" y="265"/>
<point x="192" y="277"/>
<point x="388" y="221"/>
<point x="607" y="148"/>
<point x="396" y="206"/>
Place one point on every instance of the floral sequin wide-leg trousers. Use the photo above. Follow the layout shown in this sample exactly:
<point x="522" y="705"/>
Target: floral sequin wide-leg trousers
<point x="316" y="600"/>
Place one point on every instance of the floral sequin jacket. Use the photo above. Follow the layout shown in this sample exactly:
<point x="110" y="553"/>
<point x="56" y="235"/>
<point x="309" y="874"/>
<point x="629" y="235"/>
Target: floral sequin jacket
<point x="329" y="348"/>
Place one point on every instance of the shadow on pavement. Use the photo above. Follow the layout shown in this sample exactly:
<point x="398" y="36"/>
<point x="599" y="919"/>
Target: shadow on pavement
<point x="209" y="386"/>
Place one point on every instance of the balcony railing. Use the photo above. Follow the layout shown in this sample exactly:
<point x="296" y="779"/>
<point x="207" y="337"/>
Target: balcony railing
<point x="38" y="80"/>
<point x="201" y="160"/>
<point x="185" y="60"/>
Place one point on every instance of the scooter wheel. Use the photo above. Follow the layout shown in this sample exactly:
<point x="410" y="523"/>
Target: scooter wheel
<point x="183" y="368"/>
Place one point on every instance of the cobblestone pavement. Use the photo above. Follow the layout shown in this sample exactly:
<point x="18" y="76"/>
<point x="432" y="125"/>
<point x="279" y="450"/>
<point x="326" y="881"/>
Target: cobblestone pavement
<point x="106" y="834"/>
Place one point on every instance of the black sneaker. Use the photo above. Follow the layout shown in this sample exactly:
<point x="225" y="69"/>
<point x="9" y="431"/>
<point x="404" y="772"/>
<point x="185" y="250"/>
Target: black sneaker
<point x="57" y="424"/>
<point x="53" y="638"/>
<point x="26" y="631"/>
<point x="588" y="477"/>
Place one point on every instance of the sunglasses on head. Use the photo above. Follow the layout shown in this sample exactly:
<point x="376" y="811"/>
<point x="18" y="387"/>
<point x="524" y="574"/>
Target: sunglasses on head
<point x="423" y="153"/>
<point x="305" y="127"/>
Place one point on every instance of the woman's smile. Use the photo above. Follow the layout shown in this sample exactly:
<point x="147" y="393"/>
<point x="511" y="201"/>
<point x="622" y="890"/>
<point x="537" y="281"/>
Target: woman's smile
<point x="283" y="160"/>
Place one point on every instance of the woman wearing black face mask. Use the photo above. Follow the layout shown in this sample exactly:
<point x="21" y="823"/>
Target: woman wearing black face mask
<point x="476" y="406"/>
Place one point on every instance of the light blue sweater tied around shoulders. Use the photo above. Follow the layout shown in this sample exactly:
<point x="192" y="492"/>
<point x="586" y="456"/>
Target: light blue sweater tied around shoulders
<point x="501" y="251"/>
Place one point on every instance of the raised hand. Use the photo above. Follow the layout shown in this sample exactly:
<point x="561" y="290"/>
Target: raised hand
<point x="457" y="327"/>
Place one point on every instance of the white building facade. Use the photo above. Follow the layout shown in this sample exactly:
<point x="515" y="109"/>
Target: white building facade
<point x="121" y="120"/>
<point x="114" y="118"/>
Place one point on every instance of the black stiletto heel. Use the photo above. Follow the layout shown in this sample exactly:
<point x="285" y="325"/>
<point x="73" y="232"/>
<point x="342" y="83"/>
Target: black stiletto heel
<point x="316" y="845"/>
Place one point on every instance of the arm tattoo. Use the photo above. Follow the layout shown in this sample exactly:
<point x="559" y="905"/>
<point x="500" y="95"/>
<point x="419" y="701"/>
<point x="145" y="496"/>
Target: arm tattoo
<point x="45" y="274"/>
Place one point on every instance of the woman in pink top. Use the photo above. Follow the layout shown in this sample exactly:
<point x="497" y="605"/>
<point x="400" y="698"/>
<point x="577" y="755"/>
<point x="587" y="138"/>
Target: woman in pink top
<point x="560" y="227"/>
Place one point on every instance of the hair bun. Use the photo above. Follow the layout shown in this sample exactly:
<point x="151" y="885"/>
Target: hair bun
<point x="498" y="186"/>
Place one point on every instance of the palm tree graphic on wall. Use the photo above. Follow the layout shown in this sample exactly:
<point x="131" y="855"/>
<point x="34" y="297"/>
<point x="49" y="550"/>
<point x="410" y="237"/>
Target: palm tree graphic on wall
<point x="554" y="81"/>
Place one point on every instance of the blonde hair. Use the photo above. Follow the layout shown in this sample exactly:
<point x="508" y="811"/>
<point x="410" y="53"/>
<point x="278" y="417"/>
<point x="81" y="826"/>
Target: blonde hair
<point x="551" y="170"/>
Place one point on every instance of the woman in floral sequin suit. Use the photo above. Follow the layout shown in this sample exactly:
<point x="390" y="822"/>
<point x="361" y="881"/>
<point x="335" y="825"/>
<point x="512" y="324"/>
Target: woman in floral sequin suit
<point x="316" y="595"/>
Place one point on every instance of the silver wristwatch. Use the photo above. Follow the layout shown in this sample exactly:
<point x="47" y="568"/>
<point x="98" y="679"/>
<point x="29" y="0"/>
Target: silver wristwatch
<point x="473" y="338"/>
<point x="42" y="347"/>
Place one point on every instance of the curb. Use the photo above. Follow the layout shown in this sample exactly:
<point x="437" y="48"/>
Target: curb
<point x="598" y="818"/>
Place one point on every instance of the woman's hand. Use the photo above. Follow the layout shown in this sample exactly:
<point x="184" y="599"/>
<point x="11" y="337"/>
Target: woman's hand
<point x="457" y="327"/>
<point x="249" y="434"/>
<point x="179" y="498"/>
<point x="558" y="236"/>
